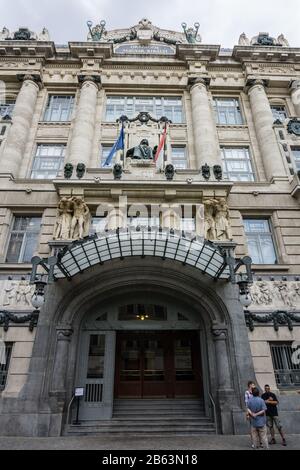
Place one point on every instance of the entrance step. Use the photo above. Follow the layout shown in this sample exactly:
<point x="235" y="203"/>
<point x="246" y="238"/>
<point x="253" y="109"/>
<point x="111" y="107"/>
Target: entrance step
<point x="153" y="417"/>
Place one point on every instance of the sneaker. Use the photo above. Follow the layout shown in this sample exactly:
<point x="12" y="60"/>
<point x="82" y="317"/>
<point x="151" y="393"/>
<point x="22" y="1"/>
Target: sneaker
<point x="284" y="442"/>
<point x="272" y="441"/>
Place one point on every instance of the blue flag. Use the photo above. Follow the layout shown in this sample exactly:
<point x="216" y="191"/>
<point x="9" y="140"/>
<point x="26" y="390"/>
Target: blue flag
<point x="118" y="145"/>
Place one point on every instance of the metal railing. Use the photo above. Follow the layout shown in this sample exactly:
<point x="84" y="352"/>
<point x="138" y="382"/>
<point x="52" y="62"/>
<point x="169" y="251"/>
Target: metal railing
<point x="214" y="412"/>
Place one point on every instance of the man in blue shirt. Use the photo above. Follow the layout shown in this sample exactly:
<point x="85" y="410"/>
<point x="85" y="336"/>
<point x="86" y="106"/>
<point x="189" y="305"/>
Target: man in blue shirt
<point x="257" y="412"/>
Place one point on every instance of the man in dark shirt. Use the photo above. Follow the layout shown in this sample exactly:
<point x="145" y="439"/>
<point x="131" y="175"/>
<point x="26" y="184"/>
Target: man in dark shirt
<point x="272" y="414"/>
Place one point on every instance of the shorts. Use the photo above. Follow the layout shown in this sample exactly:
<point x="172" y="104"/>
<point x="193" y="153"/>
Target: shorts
<point x="271" y="420"/>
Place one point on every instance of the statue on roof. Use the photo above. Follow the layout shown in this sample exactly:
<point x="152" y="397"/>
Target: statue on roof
<point x="281" y="40"/>
<point x="243" y="40"/>
<point x="97" y="32"/>
<point x="4" y="34"/>
<point x="44" y="35"/>
<point x="191" y="34"/>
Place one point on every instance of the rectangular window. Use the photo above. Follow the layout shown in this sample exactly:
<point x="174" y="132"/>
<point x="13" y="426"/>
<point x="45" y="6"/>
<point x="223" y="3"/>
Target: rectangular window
<point x="99" y="224"/>
<point x="6" y="109"/>
<point x="179" y="159"/>
<point x="286" y="369"/>
<point x="5" y="355"/>
<point x="279" y="113"/>
<point x="171" y="107"/>
<point x="227" y="111"/>
<point x="59" y="108"/>
<point x="23" y="239"/>
<point x="237" y="165"/>
<point x="260" y="241"/>
<point x="296" y="157"/>
<point x="48" y="161"/>
<point x="188" y="224"/>
<point x="105" y="151"/>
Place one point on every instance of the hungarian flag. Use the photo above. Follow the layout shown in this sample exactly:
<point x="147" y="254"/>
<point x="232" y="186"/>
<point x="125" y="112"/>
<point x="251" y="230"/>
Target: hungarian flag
<point x="161" y="143"/>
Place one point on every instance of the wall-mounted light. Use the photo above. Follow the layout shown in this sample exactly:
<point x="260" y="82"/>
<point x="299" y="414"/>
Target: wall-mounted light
<point x="38" y="298"/>
<point x="245" y="297"/>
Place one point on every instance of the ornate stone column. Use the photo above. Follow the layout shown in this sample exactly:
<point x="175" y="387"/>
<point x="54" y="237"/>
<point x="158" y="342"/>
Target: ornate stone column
<point x="85" y="119"/>
<point x="223" y="366"/>
<point x="295" y="96"/>
<point x="205" y="134"/>
<point x="16" y="140"/>
<point x="61" y="360"/>
<point x="263" y="122"/>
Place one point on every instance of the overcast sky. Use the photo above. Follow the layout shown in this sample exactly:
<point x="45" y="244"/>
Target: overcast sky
<point x="221" y="21"/>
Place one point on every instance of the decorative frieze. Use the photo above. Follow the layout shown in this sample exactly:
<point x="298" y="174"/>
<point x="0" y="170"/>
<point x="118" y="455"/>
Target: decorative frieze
<point x="278" y="318"/>
<point x="16" y="294"/>
<point x="275" y="295"/>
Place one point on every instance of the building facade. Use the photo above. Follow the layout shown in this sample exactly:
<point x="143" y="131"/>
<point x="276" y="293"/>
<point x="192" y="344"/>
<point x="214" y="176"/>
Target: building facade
<point x="145" y="251"/>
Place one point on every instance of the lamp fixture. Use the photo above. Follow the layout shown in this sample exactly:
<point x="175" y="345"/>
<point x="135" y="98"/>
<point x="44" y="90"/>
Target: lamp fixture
<point x="142" y="316"/>
<point x="38" y="297"/>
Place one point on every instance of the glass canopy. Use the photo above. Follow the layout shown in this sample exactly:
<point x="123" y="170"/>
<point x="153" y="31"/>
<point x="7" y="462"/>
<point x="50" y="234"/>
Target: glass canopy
<point x="142" y="242"/>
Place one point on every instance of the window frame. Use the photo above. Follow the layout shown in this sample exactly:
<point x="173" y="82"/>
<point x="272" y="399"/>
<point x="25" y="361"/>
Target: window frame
<point x="294" y="161"/>
<point x="250" y="161"/>
<point x="185" y="159"/>
<point x="279" y="105"/>
<point x="268" y="219"/>
<point x="4" y="369"/>
<point x="47" y="108"/>
<point x="135" y="111"/>
<point x="23" y="244"/>
<point x="40" y="157"/>
<point x="236" y="108"/>
<point x="286" y="371"/>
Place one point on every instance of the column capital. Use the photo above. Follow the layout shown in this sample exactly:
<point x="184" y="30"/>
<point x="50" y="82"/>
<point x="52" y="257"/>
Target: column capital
<point x="35" y="77"/>
<point x="64" y="334"/>
<point x="252" y="82"/>
<point x="294" y="85"/>
<point x="219" y="333"/>
<point x="95" y="79"/>
<point x="193" y="81"/>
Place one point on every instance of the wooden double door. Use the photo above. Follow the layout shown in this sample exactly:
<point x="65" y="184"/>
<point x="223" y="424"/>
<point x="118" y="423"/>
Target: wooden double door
<point x="158" y="364"/>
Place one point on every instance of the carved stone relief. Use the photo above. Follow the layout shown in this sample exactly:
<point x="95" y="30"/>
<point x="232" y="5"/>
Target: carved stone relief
<point x="217" y="225"/>
<point x="275" y="294"/>
<point x="16" y="294"/>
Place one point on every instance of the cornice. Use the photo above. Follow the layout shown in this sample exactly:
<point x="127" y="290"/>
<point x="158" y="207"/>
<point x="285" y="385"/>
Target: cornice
<point x="27" y="49"/>
<point x="269" y="53"/>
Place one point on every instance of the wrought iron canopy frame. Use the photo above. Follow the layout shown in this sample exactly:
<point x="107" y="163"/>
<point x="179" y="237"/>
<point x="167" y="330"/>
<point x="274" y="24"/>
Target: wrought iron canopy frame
<point x="184" y="247"/>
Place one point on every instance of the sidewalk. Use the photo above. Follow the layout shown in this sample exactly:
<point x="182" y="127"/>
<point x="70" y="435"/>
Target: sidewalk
<point x="205" y="442"/>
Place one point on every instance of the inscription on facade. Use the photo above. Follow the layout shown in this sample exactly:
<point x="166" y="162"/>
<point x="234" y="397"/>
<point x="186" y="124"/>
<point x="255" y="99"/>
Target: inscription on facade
<point x="143" y="50"/>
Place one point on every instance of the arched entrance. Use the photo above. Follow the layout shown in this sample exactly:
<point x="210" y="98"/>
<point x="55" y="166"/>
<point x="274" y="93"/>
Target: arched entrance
<point x="150" y="348"/>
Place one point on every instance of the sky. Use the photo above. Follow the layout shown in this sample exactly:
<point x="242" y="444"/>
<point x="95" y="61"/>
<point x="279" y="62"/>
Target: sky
<point x="221" y="21"/>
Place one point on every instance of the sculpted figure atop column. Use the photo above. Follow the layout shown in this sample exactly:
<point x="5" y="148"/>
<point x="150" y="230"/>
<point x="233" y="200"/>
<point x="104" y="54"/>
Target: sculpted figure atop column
<point x="217" y="225"/>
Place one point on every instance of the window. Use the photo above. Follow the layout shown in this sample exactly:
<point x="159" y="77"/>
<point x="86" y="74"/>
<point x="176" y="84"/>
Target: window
<point x="227" y="111"/>
<point x="179" y="157"/>
<point x="48" y="161"/>
<point x="140" y="221"/>
<point x="188" y="224"/>
<point x="237" y="165"/>
<point x="6" y="109"/>
<point x="279" y="112"/>
<point x="287" y="372"/>
<point x="296" y="157"/>
<point x="105" y="150"/>
<point x="142" y="312"/>
<point x="260" y="241"/>
<point x="155" y="105"/>
<point x="59" y="108"/>
<point x="98" y="225"/>
<point x="5" y="355"/>
<point x="23" y="239"/>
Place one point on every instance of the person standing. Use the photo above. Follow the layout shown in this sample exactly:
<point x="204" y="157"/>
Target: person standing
<point x="272" y="414"/>
<point x="257" y="412"/>
<point x="248" y="392"/>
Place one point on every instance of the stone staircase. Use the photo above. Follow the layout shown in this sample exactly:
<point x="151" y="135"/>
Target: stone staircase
<point x="153" y="417"/>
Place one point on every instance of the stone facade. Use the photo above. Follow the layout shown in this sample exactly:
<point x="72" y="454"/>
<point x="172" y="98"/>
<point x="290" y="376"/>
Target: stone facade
<point x="261" y="75"/>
